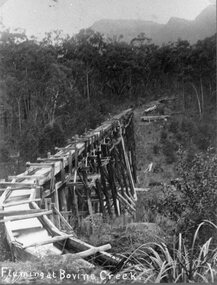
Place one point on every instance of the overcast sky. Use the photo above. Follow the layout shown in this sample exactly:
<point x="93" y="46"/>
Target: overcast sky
<point x="39" y="16"/>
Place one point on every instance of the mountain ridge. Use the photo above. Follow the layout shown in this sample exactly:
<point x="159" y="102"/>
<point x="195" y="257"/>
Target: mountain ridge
<point x="202" y="26"/>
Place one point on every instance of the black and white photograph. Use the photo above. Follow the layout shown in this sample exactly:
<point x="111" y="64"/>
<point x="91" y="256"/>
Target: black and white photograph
<point x="108" y="142"/>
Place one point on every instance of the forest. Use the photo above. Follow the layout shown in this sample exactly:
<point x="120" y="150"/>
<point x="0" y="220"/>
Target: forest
<point x="61" y="86"/>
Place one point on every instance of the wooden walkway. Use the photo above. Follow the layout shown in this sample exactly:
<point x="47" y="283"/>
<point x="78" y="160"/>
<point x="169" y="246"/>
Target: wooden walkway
<point x="94" y="173"/>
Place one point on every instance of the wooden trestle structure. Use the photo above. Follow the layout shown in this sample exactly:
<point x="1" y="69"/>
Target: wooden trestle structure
<point x="94" y="173"/>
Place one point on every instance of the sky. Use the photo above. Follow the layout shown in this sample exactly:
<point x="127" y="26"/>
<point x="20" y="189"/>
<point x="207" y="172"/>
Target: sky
<point x="39" y="16"/>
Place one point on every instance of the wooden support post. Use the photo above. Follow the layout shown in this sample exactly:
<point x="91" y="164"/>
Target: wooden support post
<point x="75" y="198"/>
<point x="56" y="199"/>
<point x="132" y="187"/>
<point x="49" y="207"/>
<point x="104" y="188"/>
<point x="130" y="159"/>
<point x="52" y="179"/>
<point x="105" y="171"/>
<point x="98" y="187"/>
<point x="63" y="220"/>
<point x="90" y="209"/>
<point x="129" y="207"/>
<point x="118" y="175"/>
<point x="62" y="170"/>
<point x="83" y="178"/>
<point x="118" y="207"/>
<point x="100" y="197"/>
<point x="122" y="170"/>
<point x="129" y="199"/>
<point x="121" y="209"/>
<point x="55" y="218"/>
<point x="113" y="187"/>
<point x="131" y="140"/>
<point x="96" y="207"/>
<point x="70" y="162"/>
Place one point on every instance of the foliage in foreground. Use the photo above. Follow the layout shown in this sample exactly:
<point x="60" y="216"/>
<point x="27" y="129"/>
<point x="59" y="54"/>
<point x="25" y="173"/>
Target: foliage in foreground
<point x="152" y="262"/>
<point x="156" y="262"/>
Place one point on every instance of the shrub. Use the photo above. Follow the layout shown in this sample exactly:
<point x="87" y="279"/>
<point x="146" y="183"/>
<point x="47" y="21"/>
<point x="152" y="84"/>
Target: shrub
<point x="179" y="136"/>
<point x="169" y="151"/>
<point x="156" y="149"/>
<point x="161" y="109"/>
<point x="174" y="127"/>
<point x="203" y="136"/>
<point x="187" y="126"/>
<point x="190" y="154"/>
<point x="158" y="168"/>
<point x="163" y="135"/>
<point x="4" y="154"/>
<point x="196" y="199"/>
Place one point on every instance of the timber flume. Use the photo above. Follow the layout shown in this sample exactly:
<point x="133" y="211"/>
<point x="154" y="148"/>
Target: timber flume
<point x="30" y="229"/>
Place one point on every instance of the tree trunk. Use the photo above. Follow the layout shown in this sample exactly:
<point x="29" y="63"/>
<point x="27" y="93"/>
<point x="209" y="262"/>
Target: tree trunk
<point x="202" y="94"/>
<point x="183" y="95"/>
<point x="19" y="116"/>
<point x="198" y="99"/>
<point x="130" y="83"/>
<point x="88" y="87"/>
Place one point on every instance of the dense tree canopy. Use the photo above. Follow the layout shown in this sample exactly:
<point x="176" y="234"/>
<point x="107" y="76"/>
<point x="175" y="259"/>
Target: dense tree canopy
<point x="56" y="88"/>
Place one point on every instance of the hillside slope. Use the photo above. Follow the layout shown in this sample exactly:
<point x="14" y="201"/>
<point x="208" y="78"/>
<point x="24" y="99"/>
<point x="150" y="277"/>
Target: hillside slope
<point x="150" y="146"/>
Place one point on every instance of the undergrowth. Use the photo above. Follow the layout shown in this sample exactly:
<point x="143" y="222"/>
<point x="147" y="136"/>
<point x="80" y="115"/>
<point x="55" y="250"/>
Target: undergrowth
<point x="157" y="262"/>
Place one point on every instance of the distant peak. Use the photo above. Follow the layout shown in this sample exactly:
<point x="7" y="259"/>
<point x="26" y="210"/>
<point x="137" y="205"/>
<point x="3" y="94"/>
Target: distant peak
<point x="209" y="11"/>
<point x="177" y="20"/>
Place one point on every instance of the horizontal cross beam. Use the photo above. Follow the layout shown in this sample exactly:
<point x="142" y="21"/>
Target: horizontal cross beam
<point x="25" y="217"/>
<point x="26" y="177"/>
<point x="20" y="203"/>
<point x="20" y="212"/>
<point x="18" y="184"/>
<point x="35" y="164"/>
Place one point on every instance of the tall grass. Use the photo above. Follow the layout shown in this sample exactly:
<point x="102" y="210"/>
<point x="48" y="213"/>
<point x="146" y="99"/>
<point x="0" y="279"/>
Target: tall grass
<point x="156" y="262"/>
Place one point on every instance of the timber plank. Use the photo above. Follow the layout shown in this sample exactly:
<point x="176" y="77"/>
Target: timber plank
<point x="18" y="184"/>
<point x="24" y="217"/>
<point x="19" y="212"/>
<point x="26" y="177"/>
<point x="50" y="240"/>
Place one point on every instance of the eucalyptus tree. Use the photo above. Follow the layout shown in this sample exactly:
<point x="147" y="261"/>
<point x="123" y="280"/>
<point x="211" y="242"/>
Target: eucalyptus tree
<point x="83" y="51"/>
